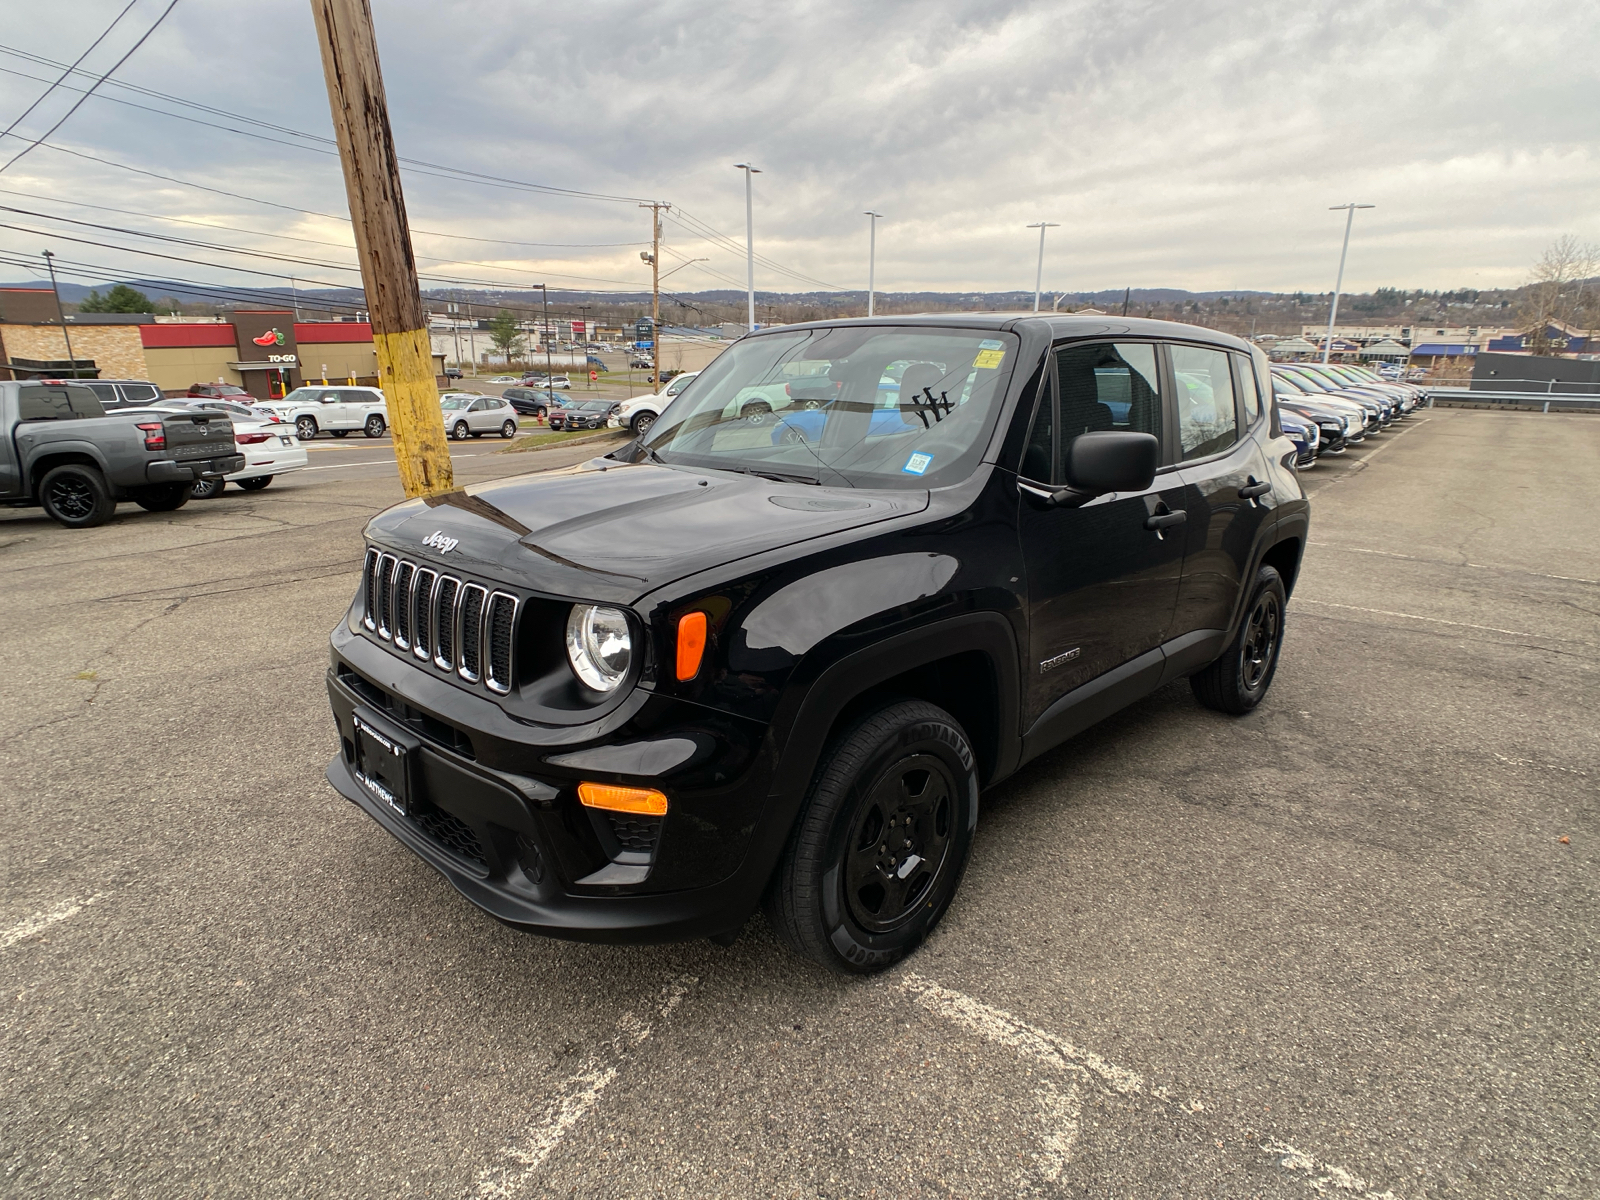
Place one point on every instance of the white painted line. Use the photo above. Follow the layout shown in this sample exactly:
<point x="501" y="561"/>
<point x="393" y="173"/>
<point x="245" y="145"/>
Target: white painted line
<point x="994" y="1025"/>
<point x="575" y="1096"/>
<point x="1384" y="612"/>
<point x="1440" y="562"/>
<point x="41" y="921"/>
<point x="1062" y="1108"/>
<point x="388" y="462"/>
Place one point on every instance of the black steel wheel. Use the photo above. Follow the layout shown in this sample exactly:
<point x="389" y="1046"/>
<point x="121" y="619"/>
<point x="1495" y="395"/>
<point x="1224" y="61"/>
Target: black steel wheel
<point x="1238" y="680"/>
<point x="75" y="495"/>
<point x="305" y="428"/>
<point x="881" y="844"/>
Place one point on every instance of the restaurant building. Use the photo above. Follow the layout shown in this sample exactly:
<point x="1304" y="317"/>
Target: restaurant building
<point x="265" y="351"/>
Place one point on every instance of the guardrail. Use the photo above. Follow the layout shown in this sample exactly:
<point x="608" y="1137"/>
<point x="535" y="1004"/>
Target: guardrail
<point x="1457" y="397"/>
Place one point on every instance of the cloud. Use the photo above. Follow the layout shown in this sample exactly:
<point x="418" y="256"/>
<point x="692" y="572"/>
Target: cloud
<point x="1189" y="145"/>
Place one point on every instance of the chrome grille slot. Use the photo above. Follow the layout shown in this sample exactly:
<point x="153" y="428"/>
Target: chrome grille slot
<point x="499" y="623"/>
<point x="404" y="576"/>
<point x="422" y="613"/>
<point x="386" y="565"/>
<point x="471" y="631"/>
<point x="444" y="653"/>
<point x="369" y="587"/>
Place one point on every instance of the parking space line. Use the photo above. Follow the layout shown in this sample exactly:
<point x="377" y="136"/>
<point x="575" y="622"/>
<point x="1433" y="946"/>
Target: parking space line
<point x="1062" y="1109"/>
<point x="1442" y="562"/>
<point x="575" y="1096"/>
<point x="40" y="921"/>
<point x="1384" y="612"/>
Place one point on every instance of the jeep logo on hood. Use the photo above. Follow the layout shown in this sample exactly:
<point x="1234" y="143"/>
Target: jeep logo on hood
<point x="439" y="542"/>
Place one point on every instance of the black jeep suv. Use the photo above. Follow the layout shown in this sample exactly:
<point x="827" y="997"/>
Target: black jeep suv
<point x="777" y="661"/>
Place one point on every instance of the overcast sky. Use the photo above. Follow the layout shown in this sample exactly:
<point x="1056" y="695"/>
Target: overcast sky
<point x="1193" y="145"/>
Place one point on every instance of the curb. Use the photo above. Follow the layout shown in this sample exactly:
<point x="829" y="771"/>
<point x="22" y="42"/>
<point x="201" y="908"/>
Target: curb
<point x="593" y="437"/>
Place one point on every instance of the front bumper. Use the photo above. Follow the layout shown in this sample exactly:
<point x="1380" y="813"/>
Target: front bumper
<point x="167" y="471"/>
<point x="495" y="811"/>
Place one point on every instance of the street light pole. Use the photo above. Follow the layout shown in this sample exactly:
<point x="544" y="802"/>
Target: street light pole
<point x="1038" y="279"/>
<point x="749" y="239"/>
<point x="49" y="261"/>
<point x="544" y="290"/>
<point x="872" y="255"/>
<point x="1333" y="311"/>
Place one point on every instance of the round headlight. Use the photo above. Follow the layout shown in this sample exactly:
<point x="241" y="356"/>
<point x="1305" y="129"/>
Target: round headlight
<point x="599" y="646"/>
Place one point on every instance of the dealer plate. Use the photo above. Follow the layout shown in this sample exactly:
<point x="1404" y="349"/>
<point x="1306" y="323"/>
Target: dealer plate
<point x="383" y="762"/>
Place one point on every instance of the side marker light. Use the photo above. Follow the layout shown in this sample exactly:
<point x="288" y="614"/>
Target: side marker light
<point x="691" y="644"/>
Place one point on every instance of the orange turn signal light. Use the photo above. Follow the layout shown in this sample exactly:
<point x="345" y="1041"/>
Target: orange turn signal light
<point x="691" y="643"/>
<point x="613" y="798"/>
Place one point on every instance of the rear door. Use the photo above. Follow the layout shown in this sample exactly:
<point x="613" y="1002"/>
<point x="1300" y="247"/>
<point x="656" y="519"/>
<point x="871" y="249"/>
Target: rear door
<point x="1218" y="414"/>
<point x="1102" y="579"/>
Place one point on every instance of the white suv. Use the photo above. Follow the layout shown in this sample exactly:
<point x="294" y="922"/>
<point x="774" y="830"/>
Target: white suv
<point x="641" y="412"/>
<point x="338" y="409"/>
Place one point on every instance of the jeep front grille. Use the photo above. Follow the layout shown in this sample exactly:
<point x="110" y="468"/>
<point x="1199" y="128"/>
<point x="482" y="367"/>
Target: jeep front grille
<point x="461" y="628"/>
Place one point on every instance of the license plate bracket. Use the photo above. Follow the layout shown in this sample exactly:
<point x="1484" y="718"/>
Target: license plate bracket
<point x="386" y="760"/>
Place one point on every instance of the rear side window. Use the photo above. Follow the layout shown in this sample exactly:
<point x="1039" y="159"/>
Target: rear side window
<point x="1106" y="386"/>
<point x="1249" y="397"/>
<point x="38" y="402"/>
<point x="1207" y="423"/>
<point x="105" y="393"/>
<point x="141" y="393"/>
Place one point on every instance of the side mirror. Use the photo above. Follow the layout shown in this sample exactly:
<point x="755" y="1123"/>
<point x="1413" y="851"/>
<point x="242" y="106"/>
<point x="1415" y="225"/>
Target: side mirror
<point x="1098" y="463"/>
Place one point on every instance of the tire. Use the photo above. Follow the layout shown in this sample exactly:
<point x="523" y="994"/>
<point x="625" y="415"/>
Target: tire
<point x="340" y="432"/>
<point x="641" y="423"/>
<point x="508" y="430"/>
<point x="75" y="495"/>
<point x="254" y="484"/>
<point x="756" y="412"/>
<point x="856" y="907"/>
<point x="208" y="489"/>
<point x="305" y="428"/>
<point x="375" y="426"/>
<point x="1238" y="680"/>
<point x="460" y="431"/>
<point x="164" y="497"/>
<point x="791" y="436"/>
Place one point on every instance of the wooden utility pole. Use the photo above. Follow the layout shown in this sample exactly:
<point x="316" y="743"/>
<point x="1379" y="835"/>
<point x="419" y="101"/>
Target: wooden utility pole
<point x="655" y="291"/>
<point x="383" y="243"/>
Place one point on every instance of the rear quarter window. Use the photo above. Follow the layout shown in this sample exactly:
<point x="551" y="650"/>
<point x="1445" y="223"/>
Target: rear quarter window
<point x="40" y="402"/>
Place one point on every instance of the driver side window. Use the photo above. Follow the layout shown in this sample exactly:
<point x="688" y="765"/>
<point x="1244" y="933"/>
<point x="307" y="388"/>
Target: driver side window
<point x="1106" y="386"/>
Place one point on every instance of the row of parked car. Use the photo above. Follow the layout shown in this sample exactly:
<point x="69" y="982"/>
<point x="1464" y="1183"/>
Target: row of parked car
<point x="1326" y="408"/>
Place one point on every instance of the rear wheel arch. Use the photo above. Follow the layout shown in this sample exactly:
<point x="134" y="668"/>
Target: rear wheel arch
<point x="47" y="463"/>
<point x="1284" y="557"/>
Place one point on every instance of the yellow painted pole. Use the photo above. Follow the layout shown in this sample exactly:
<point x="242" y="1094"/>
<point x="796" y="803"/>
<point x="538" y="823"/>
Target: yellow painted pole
<point x="383" y="243"/>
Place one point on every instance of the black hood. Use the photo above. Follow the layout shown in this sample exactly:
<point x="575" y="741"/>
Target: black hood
<point x="618" y="533"/>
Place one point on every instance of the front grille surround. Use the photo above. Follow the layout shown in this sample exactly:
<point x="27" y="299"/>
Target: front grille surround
<point x="462" y="628"/>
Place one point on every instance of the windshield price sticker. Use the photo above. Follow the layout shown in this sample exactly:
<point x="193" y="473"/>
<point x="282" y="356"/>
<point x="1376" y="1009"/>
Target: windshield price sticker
<point x="918" y="464"/>
<point x="989" y="358"/>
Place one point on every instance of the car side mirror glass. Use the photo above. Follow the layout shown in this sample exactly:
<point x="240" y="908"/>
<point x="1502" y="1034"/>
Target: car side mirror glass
<point x="1112" y="461"/>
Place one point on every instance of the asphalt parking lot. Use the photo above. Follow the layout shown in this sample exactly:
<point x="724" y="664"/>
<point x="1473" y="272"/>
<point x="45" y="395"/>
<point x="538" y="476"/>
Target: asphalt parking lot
<point x="1344" y="945"/>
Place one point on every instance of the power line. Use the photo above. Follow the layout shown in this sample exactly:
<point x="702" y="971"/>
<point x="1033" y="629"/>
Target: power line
<point x="695" y="226"/>
<point x="142" y="39"/>
<point x="67" y="71"/>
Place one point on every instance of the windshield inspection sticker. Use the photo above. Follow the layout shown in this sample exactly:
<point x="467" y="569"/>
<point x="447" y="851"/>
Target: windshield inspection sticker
<point x="989" y="358"/>
<point x="991" y="344"/>
<point x="918" y="464"/>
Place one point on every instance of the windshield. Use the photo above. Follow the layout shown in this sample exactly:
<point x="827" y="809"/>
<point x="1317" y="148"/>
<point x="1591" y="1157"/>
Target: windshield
<point x="856" y="406"/>
<point x="451" y="403"/>
<point x="1307" y="382"/>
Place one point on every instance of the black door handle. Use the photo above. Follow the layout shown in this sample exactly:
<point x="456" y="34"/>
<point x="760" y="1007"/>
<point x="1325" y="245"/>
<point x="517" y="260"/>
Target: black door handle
<point x="1253" y="489"/>
<point x="1166" y="520"/>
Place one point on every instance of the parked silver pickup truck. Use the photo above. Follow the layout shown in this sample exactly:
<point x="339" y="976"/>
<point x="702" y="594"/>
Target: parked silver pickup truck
<point x="60" y="449"/>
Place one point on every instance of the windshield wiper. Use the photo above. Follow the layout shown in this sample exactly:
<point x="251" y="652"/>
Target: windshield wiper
<point x="775" y="476"/>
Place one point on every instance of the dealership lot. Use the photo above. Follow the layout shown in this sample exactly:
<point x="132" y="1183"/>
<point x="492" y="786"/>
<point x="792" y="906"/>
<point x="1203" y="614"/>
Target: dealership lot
<point x="1339" y="942"/>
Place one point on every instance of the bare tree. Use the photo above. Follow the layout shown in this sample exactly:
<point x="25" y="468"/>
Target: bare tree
<point x="1562" y="289"/>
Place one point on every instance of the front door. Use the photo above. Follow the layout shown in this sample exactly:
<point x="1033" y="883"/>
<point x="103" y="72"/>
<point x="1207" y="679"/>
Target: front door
<point x="1220" y="420"/>
<point x="1102" y="579"/>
